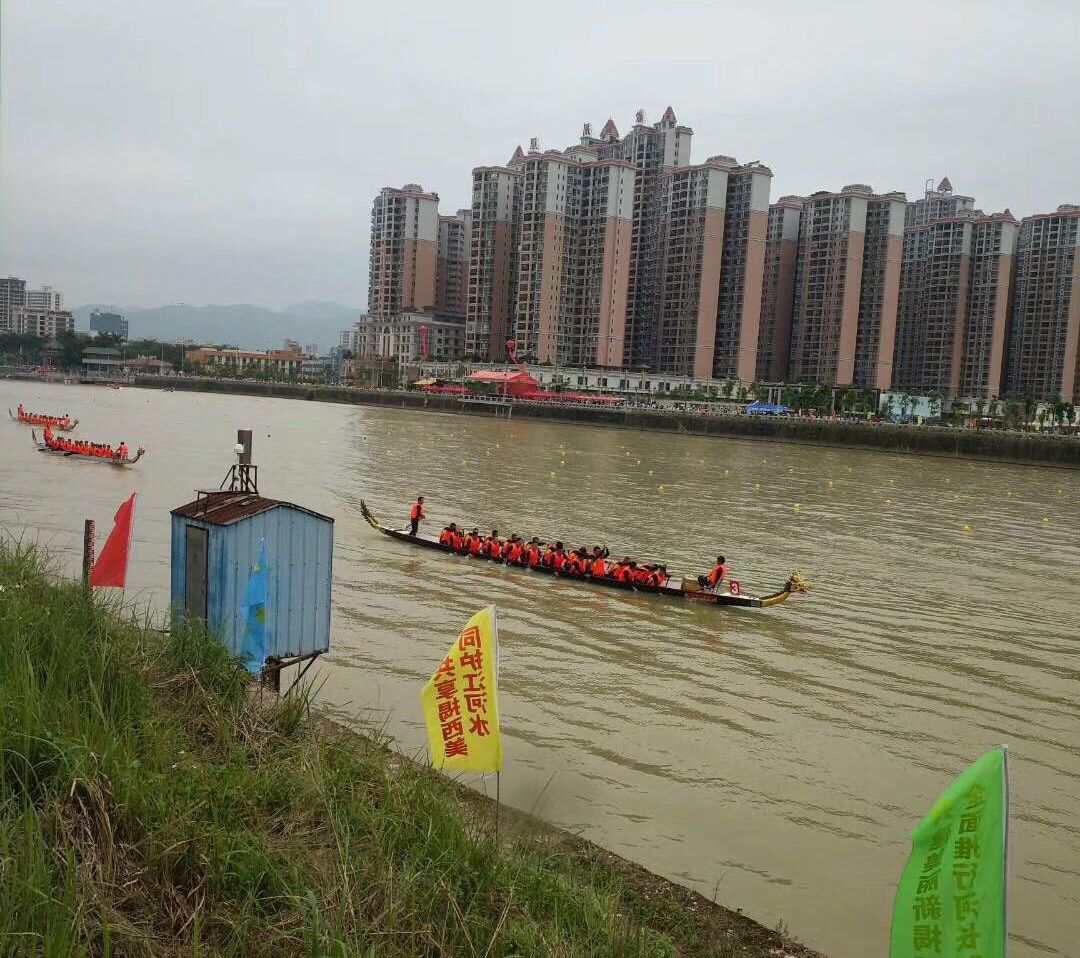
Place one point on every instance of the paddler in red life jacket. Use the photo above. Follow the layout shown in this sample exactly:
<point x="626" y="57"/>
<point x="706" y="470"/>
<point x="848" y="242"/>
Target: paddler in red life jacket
<point x="531" y="553"/>
<point x="122" y="451"/>
<point x="48" y="434"/>
<point x="554" y="557"/>
<point x="512" y="550"/>
<point x="416" y="513"/>
<point x="474" y="543"/>
<point x="576" y="562"/>
<point x="716" y="575"/>
<point x="622" y="569"/>
<point x="446" y="537"/>
<point x="21" y="411"/>
<point x="597" y="565"/>
<point x="492" y="546"/>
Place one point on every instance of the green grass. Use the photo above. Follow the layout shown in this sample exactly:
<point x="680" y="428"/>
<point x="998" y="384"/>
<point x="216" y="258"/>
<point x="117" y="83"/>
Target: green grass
<point x="148" y="805"/>
<point x="151" y="804"/>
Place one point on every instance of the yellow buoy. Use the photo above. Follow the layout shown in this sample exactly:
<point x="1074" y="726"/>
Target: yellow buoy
<point x="797" y="506"/>
<point x="660" y="488"/>
<point x="1046" y="519"/>
<point x="892" y="482"/>
<point x="639" y="462"/>
<point x="757" y="485"/>
<point x="563" y="463"/>
<point x="727" y="472"/>
<point x="650" y="472"/>
<point x="830" y="483"/>
<point x="888" y="502"/>
<point x="1009" y="493"/>
<point x="551" y="475"/>
<point x="967" y="530"/>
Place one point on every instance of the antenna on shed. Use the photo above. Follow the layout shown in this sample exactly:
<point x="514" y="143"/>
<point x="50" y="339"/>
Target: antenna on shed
<point x="243" y="475"/>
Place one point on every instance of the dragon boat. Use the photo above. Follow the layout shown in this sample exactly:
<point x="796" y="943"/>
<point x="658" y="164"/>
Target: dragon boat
<point x="63" y="423"/>
<point x="54" y="450"/>
<point x="676" y="587"/>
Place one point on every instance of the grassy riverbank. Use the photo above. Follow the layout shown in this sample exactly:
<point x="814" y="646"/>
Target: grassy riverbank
<point x="151" y="804"/>
<point x="984" y="444"/>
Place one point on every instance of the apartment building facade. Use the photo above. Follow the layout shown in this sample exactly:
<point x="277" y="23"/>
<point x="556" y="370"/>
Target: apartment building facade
<point x="44" y="323"/>
<point x="954" y="296"/>
<point x="573" y="257"/>
<point x="404" y="241"/>
<point x="492" y="291"/>
<point x="12" y="295"/>
<point x="691" y="241"/>
<point x="847" y="278"/>
<point x="1044" y="347"/>
<point x="742" y="269"/>
<point x="452" y="262"/>
<point x="778" y="289"/>
<point x="410" y="337"/>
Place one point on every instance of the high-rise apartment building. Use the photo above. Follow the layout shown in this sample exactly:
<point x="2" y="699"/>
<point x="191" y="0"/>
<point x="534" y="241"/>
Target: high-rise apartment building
<point x="845" y="287"/>
<point x="778" y="289"/>
<point x="404" y="240"/>
<point x="954" y="295"/>
<point x="939" y="204"/>
<point x="738" y="308"/>
<point x="452" y="264"/>
<point x="573" y="257"/>
<point x="875" y="340"/>
<point x="651" y="149"/>
<point x="1044" y="346"/>
<point x="690" y="257"/>
<point x="496" y="216"/>
<point x="691" y="267"/>
<point x="12" y="295"/>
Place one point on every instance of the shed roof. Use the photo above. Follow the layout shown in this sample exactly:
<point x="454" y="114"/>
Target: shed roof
<point x="225" y="508"/>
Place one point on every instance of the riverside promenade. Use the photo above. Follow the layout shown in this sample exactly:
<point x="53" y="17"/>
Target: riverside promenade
<point x="983" y="444"/>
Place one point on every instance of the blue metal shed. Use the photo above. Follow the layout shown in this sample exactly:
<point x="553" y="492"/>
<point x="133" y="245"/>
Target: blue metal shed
<point x="215" y="542"/>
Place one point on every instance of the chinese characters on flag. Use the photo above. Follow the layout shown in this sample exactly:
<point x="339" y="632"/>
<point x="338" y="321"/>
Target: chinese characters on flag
<point x="460" y="704"/>
<point x="950" y="902"/>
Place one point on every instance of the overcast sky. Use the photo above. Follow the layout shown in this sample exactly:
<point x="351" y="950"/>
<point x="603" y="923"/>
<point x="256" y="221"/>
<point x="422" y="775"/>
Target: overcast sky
<point x="215" y="151"/>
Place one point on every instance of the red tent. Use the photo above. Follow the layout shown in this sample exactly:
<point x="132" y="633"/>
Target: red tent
<point x="515" y="383"/>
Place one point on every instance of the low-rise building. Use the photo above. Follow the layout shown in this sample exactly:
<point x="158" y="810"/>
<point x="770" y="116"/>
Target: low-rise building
<point x="277" y="361"/>
<point x="44" y="323"/>
<point x="408" y="337"/>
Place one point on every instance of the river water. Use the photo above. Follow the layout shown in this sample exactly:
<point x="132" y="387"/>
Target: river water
<point x="777" y="759"/>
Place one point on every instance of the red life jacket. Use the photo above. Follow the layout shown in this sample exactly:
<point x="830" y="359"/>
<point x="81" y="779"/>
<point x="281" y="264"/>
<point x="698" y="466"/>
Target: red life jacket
<point x="446" y="538"/>
<point x="513" y="554"/>
<point x="417" y="512"/>
<point x="575" y="565"/>
<point x="476" y="545"/>
<point x="652" y="579"/>
<point x="506" y="547"/>
<point x="549" y="559"/>
<point x="597" y="567"/>
<point x="716" y="576"/>
<point x="620" y="573"/>
<point x="494" y="549"/>
<point x="532" y="556"/>
<point x="558" y="561"/>
<point x="638" y="576"/>
<point x="456" y="541"/>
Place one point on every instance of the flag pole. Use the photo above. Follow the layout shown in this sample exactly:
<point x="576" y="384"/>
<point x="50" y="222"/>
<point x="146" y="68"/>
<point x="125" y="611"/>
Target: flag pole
<point x="498" y="804"/>
<point x="87" y="552"/>
<point x="1005" y="855"/>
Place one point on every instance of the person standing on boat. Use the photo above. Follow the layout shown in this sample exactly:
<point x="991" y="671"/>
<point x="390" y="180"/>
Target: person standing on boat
<point x="122" y="451"/>
<point x="416" y="514"/>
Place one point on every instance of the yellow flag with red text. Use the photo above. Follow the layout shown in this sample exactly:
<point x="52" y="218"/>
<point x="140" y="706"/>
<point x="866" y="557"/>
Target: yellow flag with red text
<point x="460" y="700"/>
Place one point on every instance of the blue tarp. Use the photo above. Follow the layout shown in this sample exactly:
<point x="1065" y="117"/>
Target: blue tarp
<point x="767" y="408"/>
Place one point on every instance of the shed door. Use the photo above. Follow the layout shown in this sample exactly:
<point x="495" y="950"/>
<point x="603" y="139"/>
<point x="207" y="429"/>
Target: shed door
<point x="195" y="573"/>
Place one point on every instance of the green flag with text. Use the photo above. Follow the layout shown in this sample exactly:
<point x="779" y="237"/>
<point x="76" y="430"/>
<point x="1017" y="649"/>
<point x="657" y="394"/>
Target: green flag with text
<point x="950" y="902"/>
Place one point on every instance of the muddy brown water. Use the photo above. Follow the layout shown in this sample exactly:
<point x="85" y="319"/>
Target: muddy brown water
<point x="777" y="759"/>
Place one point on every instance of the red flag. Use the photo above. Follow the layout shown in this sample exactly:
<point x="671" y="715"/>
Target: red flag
<point x="111" y="566"/>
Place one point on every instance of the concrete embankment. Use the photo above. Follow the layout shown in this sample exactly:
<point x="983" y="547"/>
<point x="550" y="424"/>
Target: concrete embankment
<point x="884" y="437"/>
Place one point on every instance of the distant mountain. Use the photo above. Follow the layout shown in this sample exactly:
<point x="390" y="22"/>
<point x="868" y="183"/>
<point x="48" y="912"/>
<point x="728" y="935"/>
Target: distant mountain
<point x="250" y="327"/>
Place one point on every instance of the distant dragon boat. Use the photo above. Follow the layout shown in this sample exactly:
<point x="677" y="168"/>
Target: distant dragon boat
<point x="684" y="587"/>
<point x="63" y="423"/>
<point x="105" y="460"/>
